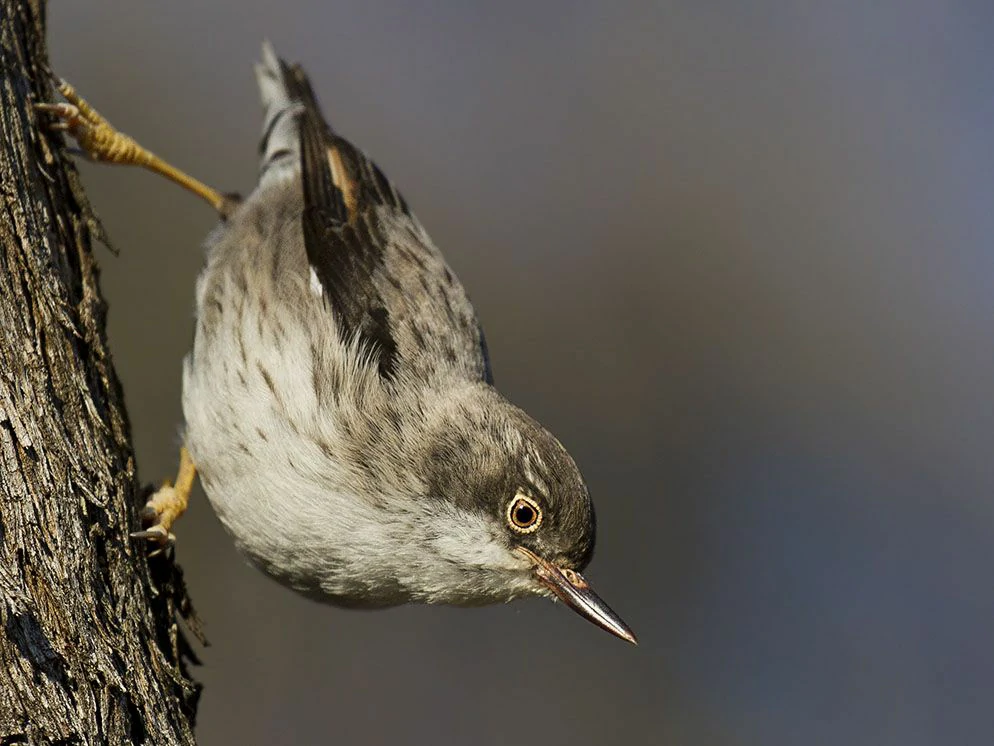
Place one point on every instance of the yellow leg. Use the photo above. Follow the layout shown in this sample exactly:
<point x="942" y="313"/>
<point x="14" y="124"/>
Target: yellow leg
<point x="168" y="503"/>
<point x="98" y="138"/>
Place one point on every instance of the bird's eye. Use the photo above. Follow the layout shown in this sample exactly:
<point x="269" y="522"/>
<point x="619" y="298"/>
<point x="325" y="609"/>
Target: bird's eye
<point x="523" y="514"/>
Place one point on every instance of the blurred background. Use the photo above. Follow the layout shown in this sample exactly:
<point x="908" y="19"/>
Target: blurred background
<point x="737" y="256"/>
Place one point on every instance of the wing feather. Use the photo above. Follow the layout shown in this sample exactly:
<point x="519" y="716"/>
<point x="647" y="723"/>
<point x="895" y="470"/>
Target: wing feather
<point x="344" y="249"/>
<point x="385" y="282"/>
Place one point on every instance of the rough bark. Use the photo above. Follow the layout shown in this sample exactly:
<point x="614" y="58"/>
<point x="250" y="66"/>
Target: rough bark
<point x="89" y="651"/>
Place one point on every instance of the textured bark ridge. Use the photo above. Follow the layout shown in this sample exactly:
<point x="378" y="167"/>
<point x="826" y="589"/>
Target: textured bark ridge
<point x="89" y="651"/>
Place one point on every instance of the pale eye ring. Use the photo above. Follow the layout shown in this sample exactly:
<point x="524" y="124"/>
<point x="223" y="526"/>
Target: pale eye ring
<point x="523" y="514"/>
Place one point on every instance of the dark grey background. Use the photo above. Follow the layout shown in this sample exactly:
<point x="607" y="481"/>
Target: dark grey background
<point x="737" y="255"/>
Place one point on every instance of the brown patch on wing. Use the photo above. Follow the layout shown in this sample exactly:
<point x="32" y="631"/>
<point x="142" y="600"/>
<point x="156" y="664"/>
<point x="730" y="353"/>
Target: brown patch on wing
<point x="340" y="176"/>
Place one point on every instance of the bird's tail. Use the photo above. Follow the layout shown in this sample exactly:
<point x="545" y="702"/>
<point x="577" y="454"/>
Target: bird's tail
<point x="286" y="95"/>
<point x="289" y="101"/>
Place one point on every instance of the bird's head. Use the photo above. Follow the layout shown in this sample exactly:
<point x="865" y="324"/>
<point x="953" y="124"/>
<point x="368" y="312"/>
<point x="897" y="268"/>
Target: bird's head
<point x="522" y="522"/>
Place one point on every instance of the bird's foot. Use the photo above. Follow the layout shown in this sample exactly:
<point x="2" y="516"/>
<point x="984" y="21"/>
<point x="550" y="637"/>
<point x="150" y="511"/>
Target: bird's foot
<point x="101" y="141"/>
<point x="159" y="514"/>
<point x="167" y="504"/>
<point x="97" y="137"/>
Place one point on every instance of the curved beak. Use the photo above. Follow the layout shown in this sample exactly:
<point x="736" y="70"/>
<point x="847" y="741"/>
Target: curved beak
<point x="574" y="591"/>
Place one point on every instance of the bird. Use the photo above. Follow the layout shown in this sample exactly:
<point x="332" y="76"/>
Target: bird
<point x="338" y="400"/>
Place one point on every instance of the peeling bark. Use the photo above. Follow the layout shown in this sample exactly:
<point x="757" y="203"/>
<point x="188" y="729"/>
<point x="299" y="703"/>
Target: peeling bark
<point x="89" y="648"/>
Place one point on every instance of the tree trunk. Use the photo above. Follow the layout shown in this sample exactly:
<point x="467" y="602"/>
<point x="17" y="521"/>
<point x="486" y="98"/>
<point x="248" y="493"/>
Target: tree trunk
<point x="89" y="648"/>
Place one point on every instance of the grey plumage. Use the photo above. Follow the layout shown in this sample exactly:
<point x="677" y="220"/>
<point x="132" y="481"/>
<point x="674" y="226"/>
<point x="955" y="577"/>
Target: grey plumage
<point x="338" y="397"/>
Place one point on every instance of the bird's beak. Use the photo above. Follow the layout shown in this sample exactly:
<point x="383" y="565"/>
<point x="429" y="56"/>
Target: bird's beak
<point x="571" y="588"/>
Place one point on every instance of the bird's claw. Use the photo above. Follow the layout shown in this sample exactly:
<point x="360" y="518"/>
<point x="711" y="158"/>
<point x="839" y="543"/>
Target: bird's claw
<point x="96" y="136"/>
<point x="65" y="116"/>
<point x="158" y="536"/>
<point x="159" y="514"/>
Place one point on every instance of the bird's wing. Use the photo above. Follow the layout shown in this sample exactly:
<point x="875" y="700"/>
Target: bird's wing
<point x="384" y="280"/>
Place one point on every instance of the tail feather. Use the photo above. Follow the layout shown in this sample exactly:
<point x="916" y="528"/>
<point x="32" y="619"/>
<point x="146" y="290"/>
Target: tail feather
<point x="279" y="148"/>
<point x="290" y="103"/>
